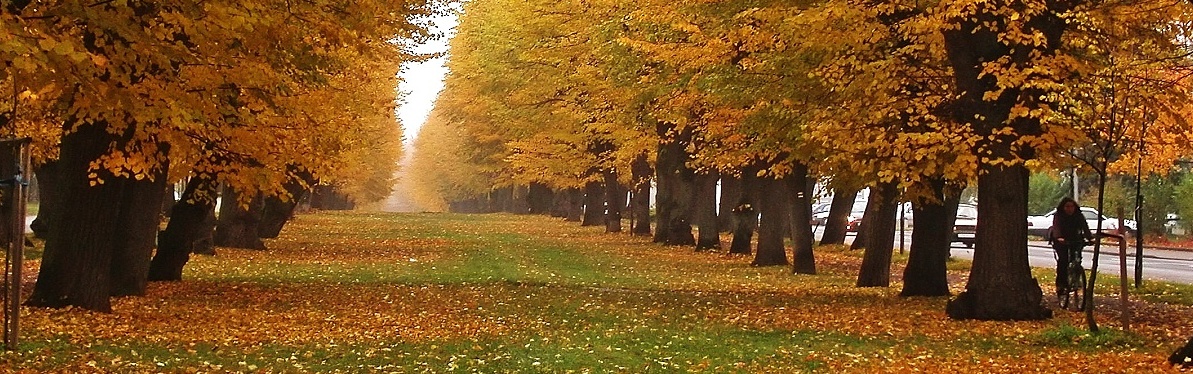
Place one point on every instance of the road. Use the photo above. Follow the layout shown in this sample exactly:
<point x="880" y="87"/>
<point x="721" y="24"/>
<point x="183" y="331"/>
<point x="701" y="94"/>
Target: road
<point x="1158" y="264"/>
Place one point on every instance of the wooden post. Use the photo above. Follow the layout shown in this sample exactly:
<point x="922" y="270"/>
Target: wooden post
<point x="14" y="164"/>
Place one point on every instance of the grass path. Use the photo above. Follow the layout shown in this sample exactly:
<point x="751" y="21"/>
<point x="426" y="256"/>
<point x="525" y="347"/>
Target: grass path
<point x="370" y="292"/>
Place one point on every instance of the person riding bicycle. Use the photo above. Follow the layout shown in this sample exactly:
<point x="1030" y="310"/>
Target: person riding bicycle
<point x="1068" y="235"/>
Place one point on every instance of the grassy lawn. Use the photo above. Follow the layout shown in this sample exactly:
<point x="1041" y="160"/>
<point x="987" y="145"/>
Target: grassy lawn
<point x="371" y="292"/>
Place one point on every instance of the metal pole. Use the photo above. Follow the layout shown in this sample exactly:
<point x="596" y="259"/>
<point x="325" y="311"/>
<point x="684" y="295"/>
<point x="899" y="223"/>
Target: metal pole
<point x="1139" y="210"/>
<point x="902" y="227"/>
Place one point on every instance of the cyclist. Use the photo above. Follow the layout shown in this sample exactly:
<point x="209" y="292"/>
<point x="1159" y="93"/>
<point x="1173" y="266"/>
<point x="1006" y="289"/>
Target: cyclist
<point x="1068" y="234"/>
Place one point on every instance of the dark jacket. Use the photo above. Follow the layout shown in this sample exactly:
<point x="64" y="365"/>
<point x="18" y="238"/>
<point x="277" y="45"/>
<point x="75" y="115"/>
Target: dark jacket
<point x="1071" y="227"/>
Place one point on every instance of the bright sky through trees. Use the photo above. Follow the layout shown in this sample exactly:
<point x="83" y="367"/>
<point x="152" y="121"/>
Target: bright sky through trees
<point x="422" y="81"/>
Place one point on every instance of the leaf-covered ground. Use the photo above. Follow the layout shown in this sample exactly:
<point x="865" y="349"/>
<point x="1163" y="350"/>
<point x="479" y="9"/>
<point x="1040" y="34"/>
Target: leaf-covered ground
<point x="360" y="292"/>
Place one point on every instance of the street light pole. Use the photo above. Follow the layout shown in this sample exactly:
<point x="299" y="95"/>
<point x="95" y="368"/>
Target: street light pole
<point x="1139" y="207"/>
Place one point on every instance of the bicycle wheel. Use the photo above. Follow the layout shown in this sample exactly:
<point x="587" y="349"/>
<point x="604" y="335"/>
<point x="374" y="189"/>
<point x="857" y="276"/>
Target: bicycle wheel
<point x="1077" y="277"/>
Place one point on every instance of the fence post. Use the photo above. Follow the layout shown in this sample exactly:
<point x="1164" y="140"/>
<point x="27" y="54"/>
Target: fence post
<point x="14" y="165"/>
<point x="1122" y="264"/>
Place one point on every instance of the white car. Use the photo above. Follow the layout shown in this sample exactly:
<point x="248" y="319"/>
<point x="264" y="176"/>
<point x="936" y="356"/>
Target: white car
<point x="1039" y="225"/>
<point x="965" y="229"/>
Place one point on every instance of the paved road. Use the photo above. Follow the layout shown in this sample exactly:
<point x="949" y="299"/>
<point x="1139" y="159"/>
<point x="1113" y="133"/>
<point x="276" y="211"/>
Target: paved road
<point x="1172" y="266"/>
<point x="1158" y="264"/>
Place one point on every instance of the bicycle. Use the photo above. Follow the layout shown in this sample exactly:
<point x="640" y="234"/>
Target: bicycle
<point x="1073" y="289"/>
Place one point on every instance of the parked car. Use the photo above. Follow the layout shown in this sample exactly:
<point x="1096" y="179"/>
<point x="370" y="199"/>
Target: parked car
<point x="1039" y="225"/>
<point x="966" y="227"/>
<point x="820" y="213"/>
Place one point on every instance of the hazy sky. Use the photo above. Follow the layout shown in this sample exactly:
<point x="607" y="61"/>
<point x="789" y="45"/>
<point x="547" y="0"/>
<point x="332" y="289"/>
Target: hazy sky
<point x="423" y="81"/>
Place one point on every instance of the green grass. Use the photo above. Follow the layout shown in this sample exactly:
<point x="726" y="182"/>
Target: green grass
<point x="370" y="292"/>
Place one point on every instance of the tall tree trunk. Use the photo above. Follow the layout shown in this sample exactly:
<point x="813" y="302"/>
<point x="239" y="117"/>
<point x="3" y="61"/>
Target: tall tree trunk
<point x="140" y="217"/>
<point x="237" y="226"/>
<point x="730" y="194"/>
<point x="641" y="171"/>
<point x="676" y="182"/>
<point x="519" y="200"/>
<point x="745" y="213"/>
<point x="775" y="210"/>
<point x="838" y="215"/>
<point x="614" y="201"/>
<point x="560" y="201"/>
<point x="276" y="211"/>
<point x="860" y="239"/>
<point x="94" y="226"/>
<point x="575" y="205"/>
<point x="803" y="260"/>
<point x="540" y="197"/>
<point x="704" y="210"/>
<point x="191" y="224"/>
<point x="48" y="196"/>
<point x="1001" y="286"/>
<point x="926" y="273"/>
<point x="594" y="204"/>
<point x="880" y="237"/>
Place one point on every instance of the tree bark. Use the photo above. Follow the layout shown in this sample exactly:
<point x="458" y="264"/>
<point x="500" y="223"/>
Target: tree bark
<point x="614" y="201"/>
<point x="519" y="200"/>
<point x="641" y="171"/>
<point x="140" y="217"/>
<point x="325" y="197"/>
<point x="745" y="213"/>
<point x="676" y="182"/>
<point x="560" y="201"/>
<point x="927" y="273"/>
<point x="803" y="260"/>
<point x="237" y="226"/>
<point x="539" y="198"/>
<point x="704" y="206"/>
<point x="575" y="205"/>
<point x="880" y="237"/>
<point x="860" y="238"/>
<point x="101" y="227"/>
<point x="191" y="224"/>
<point x="775" y="210"/>
<point x="276" y="211"/>
<point x="730" y="193"/>
<point x="838" y="215"/>
<point x="48" y="179"/>
<point x="1001" y="286"/>
<point x="594" y="204"/>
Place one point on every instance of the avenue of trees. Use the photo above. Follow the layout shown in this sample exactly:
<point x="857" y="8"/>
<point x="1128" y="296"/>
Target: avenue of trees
<point x="261" y="99"/>
<point x="584" y="109"/>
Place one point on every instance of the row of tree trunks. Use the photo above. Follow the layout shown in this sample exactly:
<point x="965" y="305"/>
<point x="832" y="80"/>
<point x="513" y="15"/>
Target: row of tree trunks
<point x="325" y="197"/>
<point x="238" y="223"/>
<point x="99" y="238"/>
